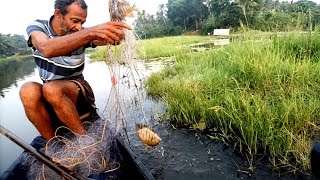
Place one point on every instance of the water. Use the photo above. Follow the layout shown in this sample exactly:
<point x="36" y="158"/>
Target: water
<point x="182" y="153"/>
<point x="12" y="116"/>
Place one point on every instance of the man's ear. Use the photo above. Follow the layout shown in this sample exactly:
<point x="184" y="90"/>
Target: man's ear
<point x="57" y="13"/>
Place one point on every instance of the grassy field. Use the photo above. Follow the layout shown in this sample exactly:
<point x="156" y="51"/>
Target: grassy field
<point x="259" y="95"/>
<point x="160" y="47"/>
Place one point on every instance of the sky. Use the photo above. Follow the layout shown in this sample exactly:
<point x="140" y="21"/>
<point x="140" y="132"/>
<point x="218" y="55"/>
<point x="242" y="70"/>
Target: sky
<point x="15" y="15"/>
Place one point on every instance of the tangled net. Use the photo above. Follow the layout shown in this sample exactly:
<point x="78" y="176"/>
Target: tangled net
<point x="85" y="155"/>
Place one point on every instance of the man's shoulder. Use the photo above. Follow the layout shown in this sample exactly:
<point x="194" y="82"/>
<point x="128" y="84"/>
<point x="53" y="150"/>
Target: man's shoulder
<point x="38" y="22"/>
<point x="38" y="25"/>
<point x="41" y="21"/>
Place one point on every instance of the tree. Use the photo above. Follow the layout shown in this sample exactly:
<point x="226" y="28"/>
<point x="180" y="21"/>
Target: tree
<point x="150" y="26"/>
<point x="12" y="44"/>
<point x="188" y="14"/>
<point x="265" y="15"/>
<point x="250" y="9"/>
<point x="224" y="14"/>
<point x="303" y="6"/>
<point x="316" y="17"/>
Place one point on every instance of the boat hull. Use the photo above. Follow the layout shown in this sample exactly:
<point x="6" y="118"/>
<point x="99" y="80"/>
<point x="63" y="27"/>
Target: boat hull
<point x="131" y="165"/>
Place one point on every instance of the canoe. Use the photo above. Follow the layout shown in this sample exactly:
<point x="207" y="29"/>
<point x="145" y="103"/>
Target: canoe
<point x="131" y="167"/>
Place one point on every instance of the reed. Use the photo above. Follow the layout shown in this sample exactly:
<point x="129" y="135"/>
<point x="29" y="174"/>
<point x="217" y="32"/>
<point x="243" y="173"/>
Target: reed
<point x="263" y="96"/>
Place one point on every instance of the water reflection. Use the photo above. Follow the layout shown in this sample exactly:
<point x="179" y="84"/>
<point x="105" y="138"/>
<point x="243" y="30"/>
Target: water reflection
<point x="12" y="115"/>
<point x="12" y="70"/>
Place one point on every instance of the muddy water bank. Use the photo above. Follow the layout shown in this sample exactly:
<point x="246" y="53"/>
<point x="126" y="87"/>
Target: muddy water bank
<point x="186" y="154"/>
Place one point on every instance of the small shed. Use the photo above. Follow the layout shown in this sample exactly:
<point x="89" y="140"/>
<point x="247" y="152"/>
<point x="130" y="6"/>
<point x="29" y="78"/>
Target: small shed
<point x="221" y="36"/>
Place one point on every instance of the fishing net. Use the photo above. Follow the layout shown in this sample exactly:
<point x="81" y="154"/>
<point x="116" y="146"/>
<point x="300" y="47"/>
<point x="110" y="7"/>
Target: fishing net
<point x="94" y="152"/>
<point x="122" y="65"/>
<point x="85" y="155"/>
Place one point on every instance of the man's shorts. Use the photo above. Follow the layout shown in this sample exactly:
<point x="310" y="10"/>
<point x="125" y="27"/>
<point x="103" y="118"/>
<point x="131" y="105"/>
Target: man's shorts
<point x="86" y="99"/>
<point x="85" y="103"/>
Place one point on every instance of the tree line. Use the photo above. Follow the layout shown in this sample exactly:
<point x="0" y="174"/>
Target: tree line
<point x="13" y="44"/>
<point x="203" y="16"/>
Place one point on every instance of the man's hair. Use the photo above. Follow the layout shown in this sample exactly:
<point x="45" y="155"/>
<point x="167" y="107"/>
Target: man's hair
<point x="63" y="5"/>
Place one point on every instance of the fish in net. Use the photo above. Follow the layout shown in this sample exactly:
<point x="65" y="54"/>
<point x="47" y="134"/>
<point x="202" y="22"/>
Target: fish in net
<point x="125" y="54"/>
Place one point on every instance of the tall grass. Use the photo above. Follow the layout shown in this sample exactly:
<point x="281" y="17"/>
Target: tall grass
<point x="169" y="46"/>
<point x="158" y="47"/>
<point x="263" y="96"/>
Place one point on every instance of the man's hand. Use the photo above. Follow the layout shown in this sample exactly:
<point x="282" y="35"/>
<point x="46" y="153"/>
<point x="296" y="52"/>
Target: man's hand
<point x="110" y="32"/>
<point x="99" y="43"/>
<point x="103" y="43"/>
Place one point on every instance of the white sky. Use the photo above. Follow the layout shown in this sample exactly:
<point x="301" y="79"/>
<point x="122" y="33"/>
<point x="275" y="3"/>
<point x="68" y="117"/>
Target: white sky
<point x="15" y="15"/>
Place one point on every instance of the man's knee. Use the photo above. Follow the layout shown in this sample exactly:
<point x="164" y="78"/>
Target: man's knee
<point x="52" y="92"/>
<point x="30" y="92"/>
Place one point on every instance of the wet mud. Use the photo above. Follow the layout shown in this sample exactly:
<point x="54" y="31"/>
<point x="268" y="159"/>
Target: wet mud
<point x="187" y="154"/>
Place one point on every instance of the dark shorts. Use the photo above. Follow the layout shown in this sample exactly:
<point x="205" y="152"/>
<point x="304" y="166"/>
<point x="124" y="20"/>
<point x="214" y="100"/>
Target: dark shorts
<point x="85" y="103"/>
<point x="86" y="99"/>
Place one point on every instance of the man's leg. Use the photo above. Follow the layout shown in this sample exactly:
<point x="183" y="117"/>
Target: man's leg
<point x="35" y="108"/>
<point x="63" y="96"/>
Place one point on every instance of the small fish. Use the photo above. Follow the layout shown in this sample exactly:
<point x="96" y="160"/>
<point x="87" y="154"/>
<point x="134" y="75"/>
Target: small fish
<point x="120" y="9"/>
<point x="147" y="135"/>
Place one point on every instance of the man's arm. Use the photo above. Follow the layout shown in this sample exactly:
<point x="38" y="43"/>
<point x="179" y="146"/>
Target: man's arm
<point x="51" y="47"/>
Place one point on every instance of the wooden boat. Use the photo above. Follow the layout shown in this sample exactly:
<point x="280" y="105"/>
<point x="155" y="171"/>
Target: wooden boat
<point x="131" y="166"/>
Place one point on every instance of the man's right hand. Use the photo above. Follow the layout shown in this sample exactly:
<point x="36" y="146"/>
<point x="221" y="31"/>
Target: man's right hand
<point x="109" y="32"/>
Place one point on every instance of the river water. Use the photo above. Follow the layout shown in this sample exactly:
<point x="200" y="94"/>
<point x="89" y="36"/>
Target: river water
<point x="182" y="153"/>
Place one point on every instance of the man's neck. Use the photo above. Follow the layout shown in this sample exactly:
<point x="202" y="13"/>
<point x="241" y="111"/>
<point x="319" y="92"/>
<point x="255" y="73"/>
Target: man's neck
<point x="55" y="24"/>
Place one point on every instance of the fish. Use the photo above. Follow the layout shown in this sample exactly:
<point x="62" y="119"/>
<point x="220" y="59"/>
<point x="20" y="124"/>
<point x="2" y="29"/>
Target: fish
<point x="147" y="135"/>
<point x="121" y="9"/>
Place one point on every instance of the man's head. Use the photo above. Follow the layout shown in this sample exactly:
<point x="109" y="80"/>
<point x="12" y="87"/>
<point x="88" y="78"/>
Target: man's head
<point x="70" y="14"/>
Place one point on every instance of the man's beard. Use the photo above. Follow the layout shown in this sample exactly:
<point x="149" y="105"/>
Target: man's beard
<point x="64" y="28"/>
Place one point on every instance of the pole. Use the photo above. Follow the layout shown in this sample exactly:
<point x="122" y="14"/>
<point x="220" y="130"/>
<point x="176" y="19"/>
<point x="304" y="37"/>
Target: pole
<point x="61" y="170"/>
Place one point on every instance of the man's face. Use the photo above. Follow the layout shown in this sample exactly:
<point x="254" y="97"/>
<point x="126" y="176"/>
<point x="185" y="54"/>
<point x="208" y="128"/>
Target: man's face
<point x="73" y="20"/>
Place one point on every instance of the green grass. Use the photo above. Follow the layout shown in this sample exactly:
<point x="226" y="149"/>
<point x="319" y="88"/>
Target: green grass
<point x="263" y="96"/>
<point x="158" y="47"/>
<point x="168" y="46"/>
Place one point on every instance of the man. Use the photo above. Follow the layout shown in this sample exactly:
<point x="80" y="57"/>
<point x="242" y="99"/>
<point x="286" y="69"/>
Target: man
<point x="58" y="49"/>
